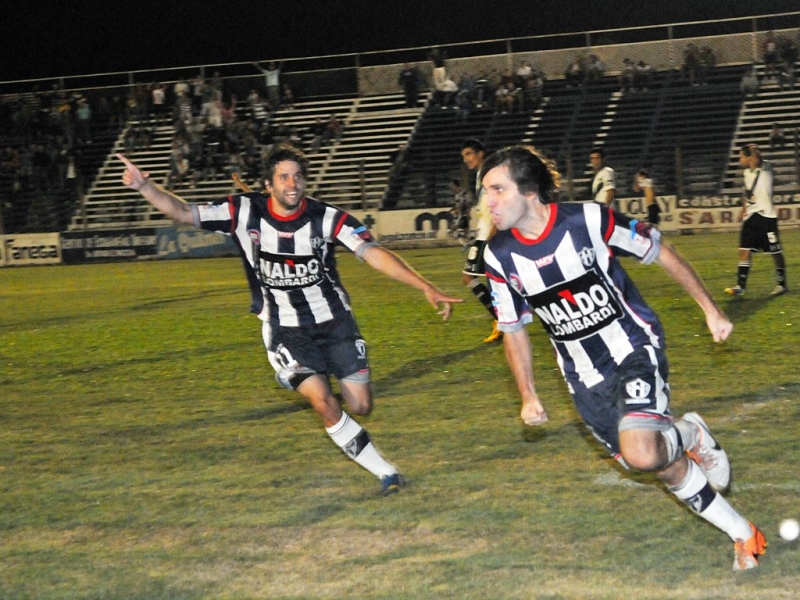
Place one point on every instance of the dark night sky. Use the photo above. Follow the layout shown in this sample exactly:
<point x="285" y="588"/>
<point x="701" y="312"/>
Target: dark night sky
<point x="42" y="39"/>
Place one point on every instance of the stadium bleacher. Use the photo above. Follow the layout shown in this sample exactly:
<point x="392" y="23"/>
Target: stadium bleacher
<point x="686" y="134"/>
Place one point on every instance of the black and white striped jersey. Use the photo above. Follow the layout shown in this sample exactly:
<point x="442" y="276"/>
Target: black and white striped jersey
<point x="290" y="263"/>
<point x="571" y="279"/>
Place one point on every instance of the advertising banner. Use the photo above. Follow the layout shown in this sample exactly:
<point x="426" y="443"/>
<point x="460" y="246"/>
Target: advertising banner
<point x="179" y="243"/>
<point x="30" y="249"/>
<point x="105" y="246"/>
<point x="709" y="213"/>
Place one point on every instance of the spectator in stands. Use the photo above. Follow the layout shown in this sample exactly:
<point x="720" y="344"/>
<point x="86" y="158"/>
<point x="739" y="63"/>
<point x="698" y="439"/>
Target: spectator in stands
<point x="159" y="102"/>
<point x="198" y="85"/>
<point x="533" y="91"/>
<point x="444" y="87"/>
<point x="627" y="76"/>
<point x="524" y="72"/>
<point x="691" y="63"/>
<point x="83" y="121"/>
<point x="463" y="102"/>
<point x="576" y="71"/>
<point x="707" y="60"/>
<point x="788" y="52"/>
<point x="645" y="75"/>
<point x="333" y="128"/>
<point x="317" y="133"/>
<point x="410" y="79"/>
<point x="272" y="81"/>
<point x="776" y="137"/>
<point x="595" y="69"/>
<point x="258" y="108"/>
<point x="769" y="55"/>
<point x="181" y="88"/>
<point x="481" y="89"/>
<point x="287" y="96"/>
<point x="750" y="84"/>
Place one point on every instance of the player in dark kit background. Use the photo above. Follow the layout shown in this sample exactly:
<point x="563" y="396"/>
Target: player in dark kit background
<point x="286" y="241"/>
<point x="559" y="262"/>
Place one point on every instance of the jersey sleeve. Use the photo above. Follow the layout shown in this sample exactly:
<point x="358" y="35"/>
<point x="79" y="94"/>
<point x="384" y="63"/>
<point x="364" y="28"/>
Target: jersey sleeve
<point x="511" y="309"/>
<point x="609" y="179"/>
<point x="215" y="216"/>
<point x="352" y="234"/>
<point x="630" y="237"/>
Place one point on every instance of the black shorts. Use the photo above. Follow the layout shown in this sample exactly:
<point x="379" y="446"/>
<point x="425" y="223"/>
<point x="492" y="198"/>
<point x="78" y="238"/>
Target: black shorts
<point x="474" y="264"/>
<point x="331" y="348"/>
<point x="760" y="234"/>
<point x="635" y="397"/>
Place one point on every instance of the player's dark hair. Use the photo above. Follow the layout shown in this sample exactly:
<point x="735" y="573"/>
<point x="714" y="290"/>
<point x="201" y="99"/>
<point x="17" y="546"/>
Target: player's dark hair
<point x="474" y="144"/>
<point x="598" y="150"/>
<point x="529" y="169"/>
<point x="644" y="173"/>
<point x="750" y="150"/>
<point x="283" y="152"/>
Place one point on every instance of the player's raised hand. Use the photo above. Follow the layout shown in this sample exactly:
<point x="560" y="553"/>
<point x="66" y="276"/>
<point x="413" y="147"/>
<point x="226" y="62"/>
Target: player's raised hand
<point x="133" y="177"/>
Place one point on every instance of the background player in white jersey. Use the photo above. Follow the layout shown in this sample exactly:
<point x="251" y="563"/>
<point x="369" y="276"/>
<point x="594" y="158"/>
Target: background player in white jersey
<point x="642" y="183"/>
<point x="559" y="261"/>
<point x="473" y="153"/>
<point x="286" y="241"/>
<point x="604" y="183"/>
<point x="759" y="231"/>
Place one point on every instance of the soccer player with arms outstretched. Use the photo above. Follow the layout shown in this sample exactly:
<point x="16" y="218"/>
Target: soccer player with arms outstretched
<point x="286" y="241"/>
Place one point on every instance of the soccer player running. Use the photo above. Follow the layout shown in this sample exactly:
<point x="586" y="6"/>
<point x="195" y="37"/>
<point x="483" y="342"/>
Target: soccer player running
<point x="559" y="261"/>
<point x="759" y="221"/>
<point x="287" y="241"/>
<point x="473" y="273"/>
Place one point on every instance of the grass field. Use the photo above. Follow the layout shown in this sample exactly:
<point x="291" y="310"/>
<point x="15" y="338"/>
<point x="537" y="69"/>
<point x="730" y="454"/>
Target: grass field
<point x="146" y="451"/>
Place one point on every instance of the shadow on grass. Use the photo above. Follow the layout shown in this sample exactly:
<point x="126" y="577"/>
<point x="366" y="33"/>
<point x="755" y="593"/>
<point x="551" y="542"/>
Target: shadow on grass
<point x="203" y="295"/>
<point x="741" y="309"/>
<point x="423" y="367"/>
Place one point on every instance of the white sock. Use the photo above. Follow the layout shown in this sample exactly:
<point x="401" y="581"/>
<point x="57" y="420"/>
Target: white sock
<point x="354" y="441"/>
<point x="697" y="493"/>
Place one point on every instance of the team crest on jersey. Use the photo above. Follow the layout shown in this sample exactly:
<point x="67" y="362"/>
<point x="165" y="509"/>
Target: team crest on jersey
<point x="587" y="256"/>
<point x="317" y="243"/>
<point x="638" y="392"/>
<point x="515" y="282"/>
<point x="576" y="309"/>
<point x="255" y="236"/>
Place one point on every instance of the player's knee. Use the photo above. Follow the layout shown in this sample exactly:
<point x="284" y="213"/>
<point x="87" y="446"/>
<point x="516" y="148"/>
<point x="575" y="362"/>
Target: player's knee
<point x="646" y="452"/>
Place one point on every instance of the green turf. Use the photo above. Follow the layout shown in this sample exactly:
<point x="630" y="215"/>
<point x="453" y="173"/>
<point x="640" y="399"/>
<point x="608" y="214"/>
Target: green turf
<point x="146" y="451"/>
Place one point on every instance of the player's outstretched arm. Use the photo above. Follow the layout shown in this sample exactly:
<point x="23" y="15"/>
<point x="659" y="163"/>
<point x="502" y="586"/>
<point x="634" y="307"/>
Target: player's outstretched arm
<point x="390" y="264"/>
<point x="517" y="345"/>
<point x="165" y="202"/>
<point x="673" y="263"/>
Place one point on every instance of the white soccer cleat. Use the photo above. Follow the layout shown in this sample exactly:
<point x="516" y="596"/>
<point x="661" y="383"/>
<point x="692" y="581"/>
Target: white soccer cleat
<point x="709" y="455"/>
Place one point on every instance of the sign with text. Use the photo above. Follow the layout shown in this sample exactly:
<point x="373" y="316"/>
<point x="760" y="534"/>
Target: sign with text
<point x="106" y="246"/>
<point x="30" y="249"/>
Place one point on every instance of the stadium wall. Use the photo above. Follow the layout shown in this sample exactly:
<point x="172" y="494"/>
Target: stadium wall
<point x="394" y="229"/>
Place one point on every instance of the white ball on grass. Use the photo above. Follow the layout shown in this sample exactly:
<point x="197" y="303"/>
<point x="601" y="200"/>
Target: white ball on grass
<point x="789" y="530"/>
